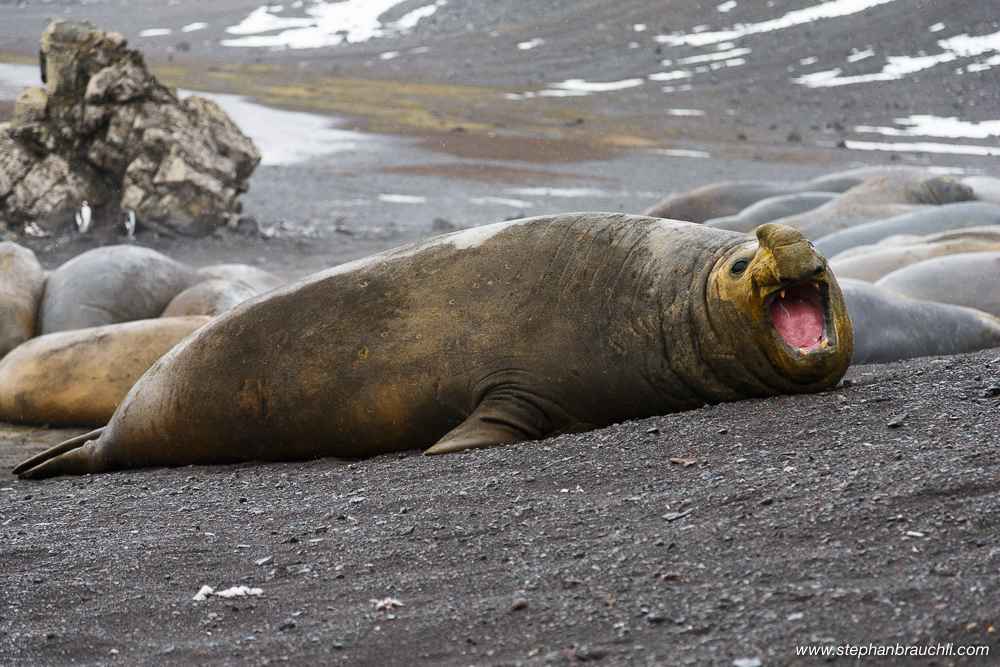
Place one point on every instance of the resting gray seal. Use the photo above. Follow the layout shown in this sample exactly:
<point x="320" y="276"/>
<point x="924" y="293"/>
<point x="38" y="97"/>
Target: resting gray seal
<point x="771" y="209"/>
<point x="872" y="262"/>
<point x="926" y="221"/>
<point x="891" y="327"/>
<point x="490" y="335"/>
<point x="971" y="279"/>
<point x="78" y="378"/>
<point x="876" y="199"/>
<point x="726" y="198"/>
<point x="21" y="283"/>
<point x="109" y="285"/>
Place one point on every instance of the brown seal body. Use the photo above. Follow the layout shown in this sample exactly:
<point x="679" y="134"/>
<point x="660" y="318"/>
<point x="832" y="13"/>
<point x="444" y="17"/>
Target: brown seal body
<point x="109" y="285"/>
<point x="491" y="335"/>
<point x="22" y="281"/>
<point x="78" y="378"/>
<point x="212" y="297"/>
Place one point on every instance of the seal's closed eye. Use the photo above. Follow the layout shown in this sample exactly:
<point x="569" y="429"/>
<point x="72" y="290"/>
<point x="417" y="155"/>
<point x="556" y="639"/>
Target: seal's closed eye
<point x="740" y="265"/>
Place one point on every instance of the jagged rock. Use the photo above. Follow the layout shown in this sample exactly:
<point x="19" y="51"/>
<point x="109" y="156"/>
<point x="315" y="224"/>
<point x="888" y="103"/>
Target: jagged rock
<point x="106" y="131"/>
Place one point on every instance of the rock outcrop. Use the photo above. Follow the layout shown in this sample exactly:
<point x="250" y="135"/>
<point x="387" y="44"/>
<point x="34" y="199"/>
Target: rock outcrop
<point x="106" y="131"/>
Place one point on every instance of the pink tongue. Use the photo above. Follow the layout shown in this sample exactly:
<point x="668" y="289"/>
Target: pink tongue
<point x="798" y="321"/>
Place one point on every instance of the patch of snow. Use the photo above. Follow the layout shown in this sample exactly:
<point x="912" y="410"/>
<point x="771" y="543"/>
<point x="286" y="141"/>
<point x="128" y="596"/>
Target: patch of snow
<point x="935" y="126"/>
<point x="524" y="46"/>
<point x="832" y="9"/>
<point x="516" y="203"/>
<point x="197" y="25"/>
<point x="860" y="55"/>
<point x="677" y="152"/>
<point x="923" y="147"/>
<point x="155" y="32"/>
<point x="709" y="57"/>
<point x="328" y="24"/>
<point x="402" y="199"/>
<point x="726" y="7"/>
<point x="670" y="76"/>
<point x="685" y="112"/>
<point x="896" y="67"/>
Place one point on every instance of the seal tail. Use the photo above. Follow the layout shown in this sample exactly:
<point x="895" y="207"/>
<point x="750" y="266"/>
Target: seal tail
<point x="66" y="458"/>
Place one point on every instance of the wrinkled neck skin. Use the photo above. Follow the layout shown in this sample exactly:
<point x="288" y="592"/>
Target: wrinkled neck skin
<point x="738" y="339"/>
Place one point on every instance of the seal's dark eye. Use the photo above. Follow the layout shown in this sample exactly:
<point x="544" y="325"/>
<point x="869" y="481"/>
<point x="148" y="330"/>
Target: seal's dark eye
<point x="739" y="266"/>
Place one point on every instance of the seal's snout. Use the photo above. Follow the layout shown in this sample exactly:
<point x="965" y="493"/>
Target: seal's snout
<point x="799" y="317"/>
<point x="794" y="258"/>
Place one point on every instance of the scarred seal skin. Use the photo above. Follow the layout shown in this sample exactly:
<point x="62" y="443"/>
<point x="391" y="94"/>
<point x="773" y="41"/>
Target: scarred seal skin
<point x="79" y="377"/>
<point x="22" y="281"/>
<point x="492" y="335"/>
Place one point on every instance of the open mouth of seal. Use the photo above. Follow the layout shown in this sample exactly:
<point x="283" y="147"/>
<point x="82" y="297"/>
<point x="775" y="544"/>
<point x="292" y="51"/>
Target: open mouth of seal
<point x="799" y="317"/>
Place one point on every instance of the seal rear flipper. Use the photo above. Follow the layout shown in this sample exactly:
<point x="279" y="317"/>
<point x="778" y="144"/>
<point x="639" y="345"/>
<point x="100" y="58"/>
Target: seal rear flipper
<point x="56" y="460"/>
<point x="497" y="421"/>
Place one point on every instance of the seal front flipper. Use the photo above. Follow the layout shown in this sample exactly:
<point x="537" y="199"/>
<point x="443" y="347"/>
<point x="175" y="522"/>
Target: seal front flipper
<point x="499" y="420"/>
<point x="58" y="460"/>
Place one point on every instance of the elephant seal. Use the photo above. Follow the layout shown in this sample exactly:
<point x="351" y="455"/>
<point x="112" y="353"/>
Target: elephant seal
<point x="212" y="297"/>
<point x="726" y="198"/>
<point x="770" y="209"/>
<point x="717" y="200"/>
<point x="22" y="281"/>
<point x="259" y="279"/>
<point x="971" y="279"/>
<point x="875" y="199"/>
<point x="109" y="285"/>
<point x="919" y="223"/>
<point x="78" y="378"/>
<point x="842" y="181"/>
<point x="891" y="327"/>
<point x="490" y="335"/>
<point x="872" y="262"/>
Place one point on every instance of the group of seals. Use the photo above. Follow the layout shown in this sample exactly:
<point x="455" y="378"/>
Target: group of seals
<point x="872" y="262"/>
<point x="889" y="326"/>
<point x="906" y="217"/>
<point x="491" y="335"/>
<point x="104" y="317"/>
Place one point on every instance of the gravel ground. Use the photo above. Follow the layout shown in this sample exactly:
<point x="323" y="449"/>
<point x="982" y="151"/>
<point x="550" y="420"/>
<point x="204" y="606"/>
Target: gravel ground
<point x="867" y="514"/>
<point x="723" y="536"/>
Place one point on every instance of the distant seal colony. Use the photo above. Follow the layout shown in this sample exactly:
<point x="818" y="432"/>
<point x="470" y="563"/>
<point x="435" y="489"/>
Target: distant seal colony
<point x="491" y="335"/>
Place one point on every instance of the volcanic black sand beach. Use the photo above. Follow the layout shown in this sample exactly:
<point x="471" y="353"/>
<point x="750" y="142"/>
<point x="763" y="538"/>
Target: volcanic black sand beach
<point x="738" y="534"/>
